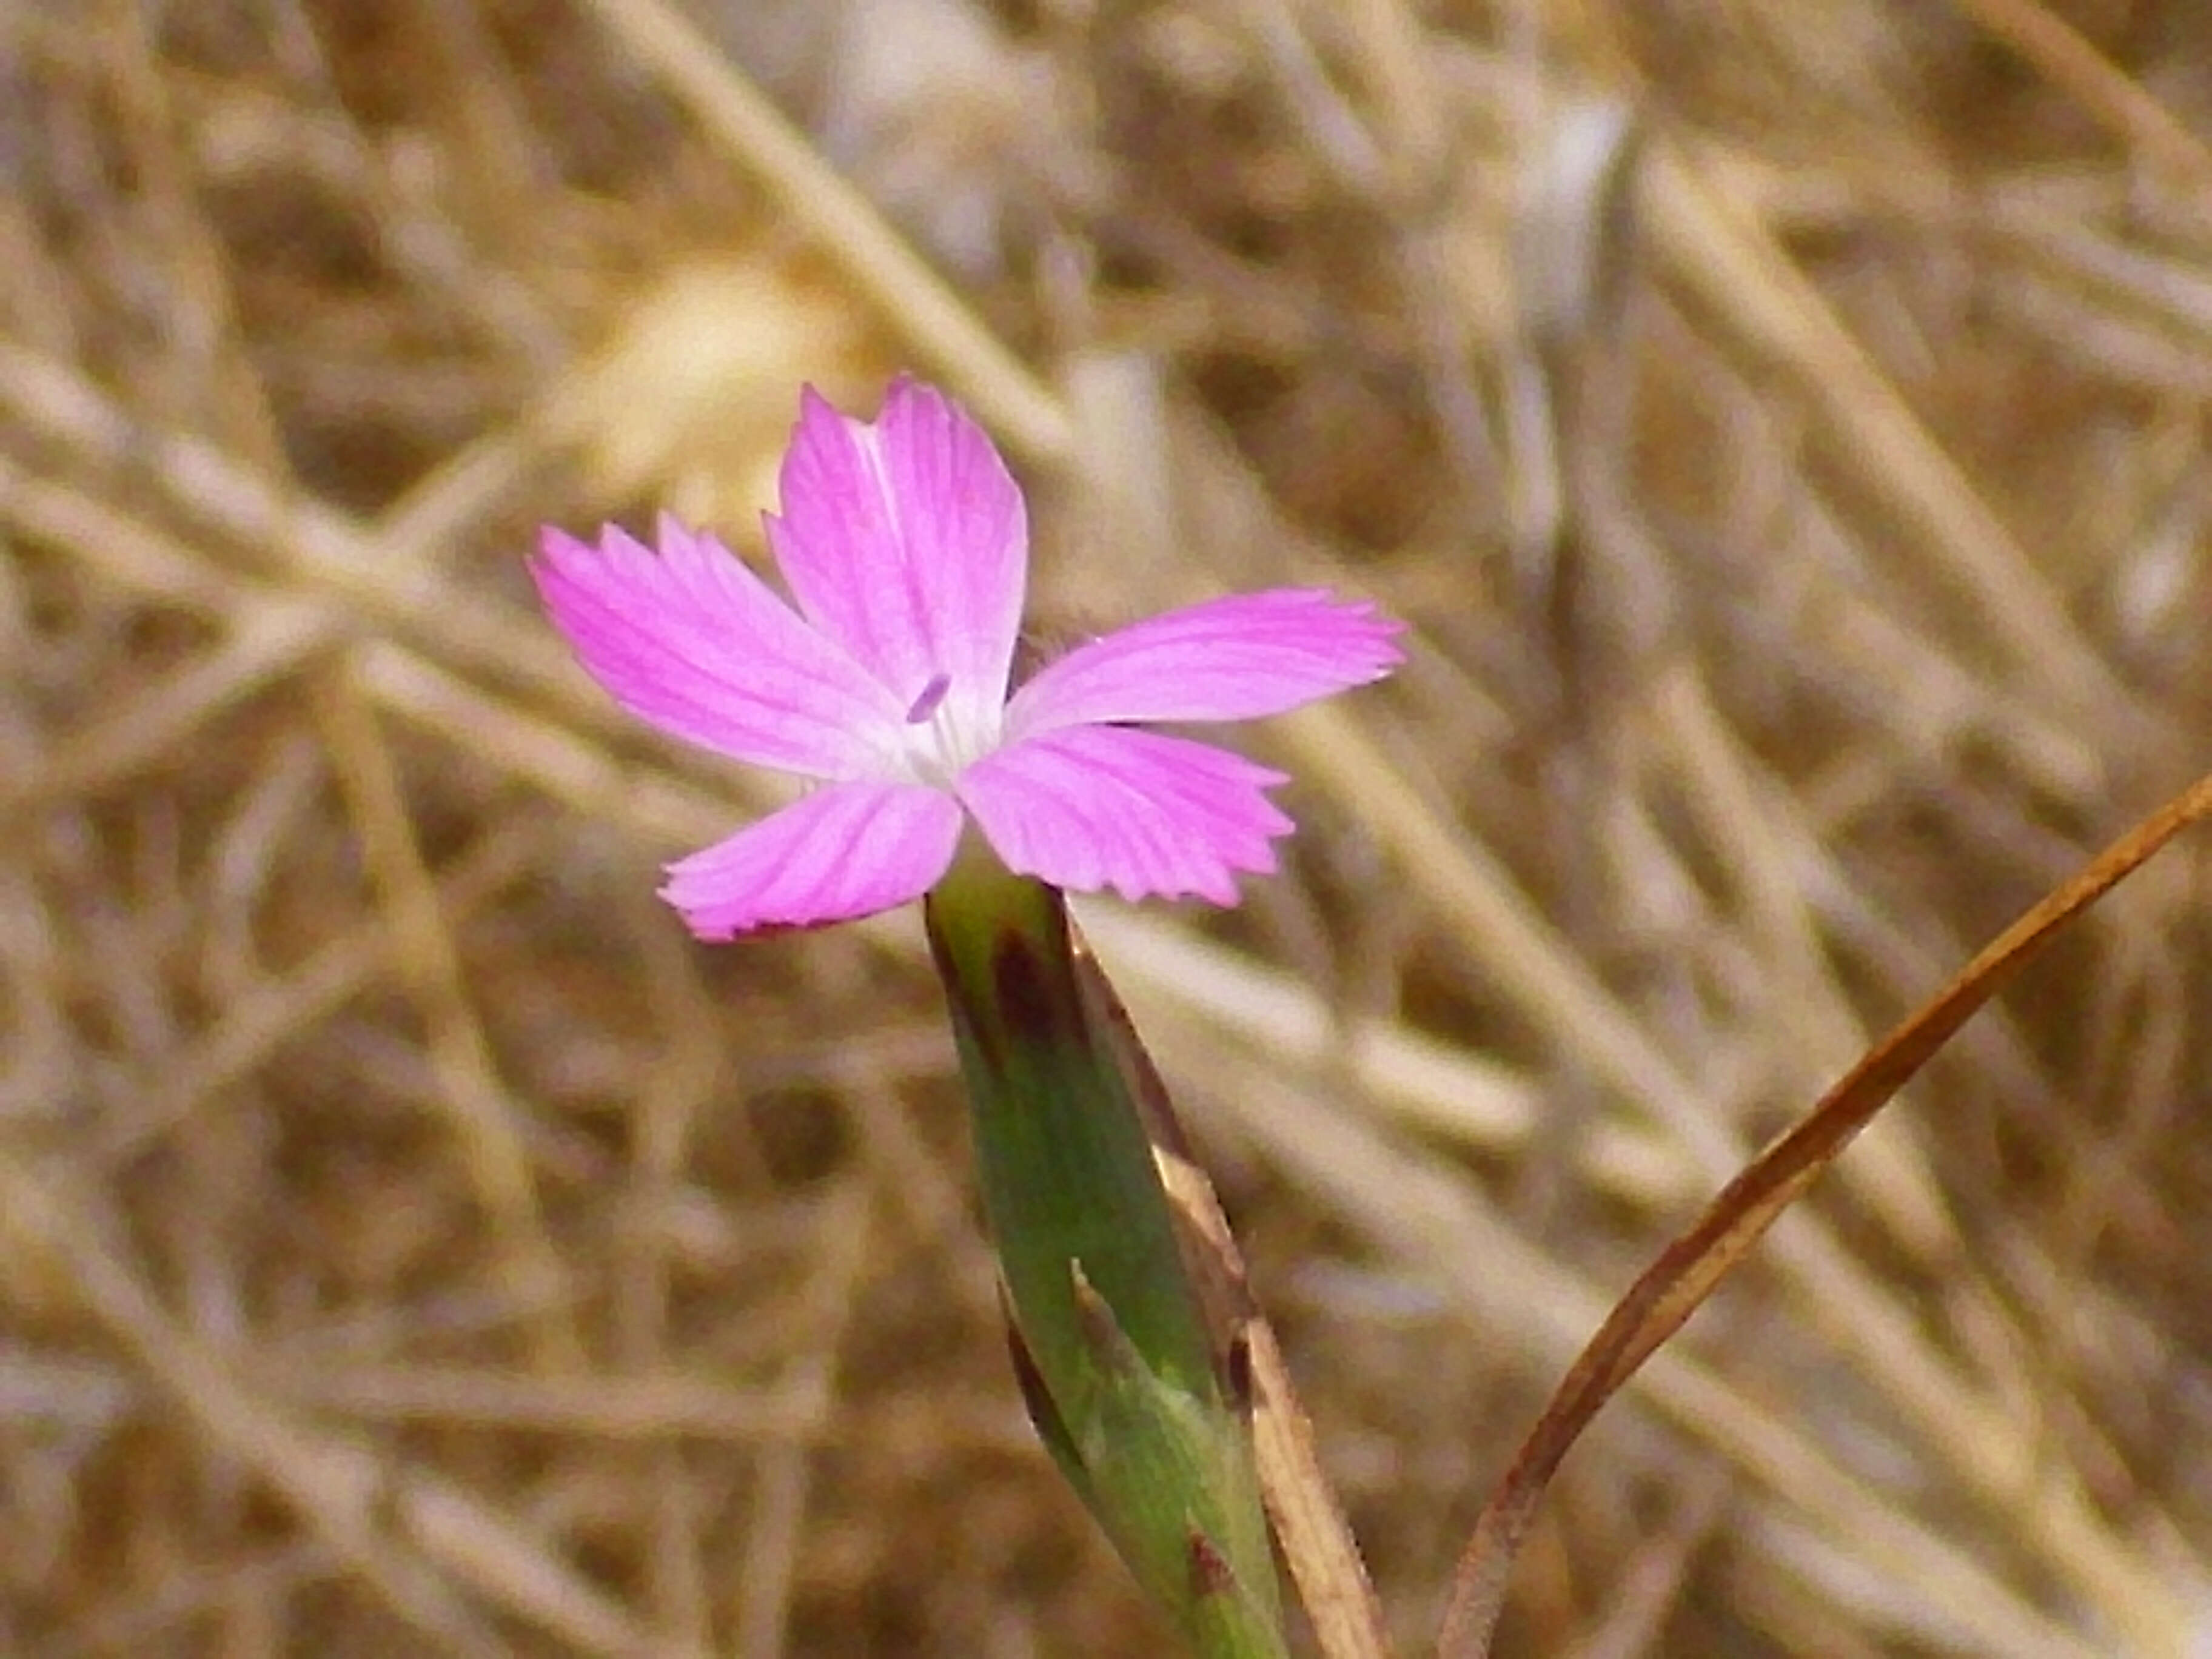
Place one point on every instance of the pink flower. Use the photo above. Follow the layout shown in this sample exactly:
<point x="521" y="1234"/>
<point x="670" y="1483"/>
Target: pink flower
<point x="905" y="545"/>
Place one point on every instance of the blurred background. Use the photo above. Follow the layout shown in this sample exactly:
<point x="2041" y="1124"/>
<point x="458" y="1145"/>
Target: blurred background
<point x="1782" y="427"/>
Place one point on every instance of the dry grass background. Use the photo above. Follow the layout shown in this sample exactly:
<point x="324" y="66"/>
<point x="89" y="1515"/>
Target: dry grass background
<point x="1783" y="425"/>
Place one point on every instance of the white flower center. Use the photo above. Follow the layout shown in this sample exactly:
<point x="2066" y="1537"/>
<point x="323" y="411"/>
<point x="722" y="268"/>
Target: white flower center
<point x="943" y="739"/>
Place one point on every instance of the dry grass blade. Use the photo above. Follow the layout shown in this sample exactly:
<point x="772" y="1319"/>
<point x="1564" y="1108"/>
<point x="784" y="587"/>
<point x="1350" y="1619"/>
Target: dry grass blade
<point x="1316" y="1540"/>
<point x="2046" y="40"/>
<point x="410" y="1533"/>
<point x="1685" y="1273"/>
<point x="944" y="331"/>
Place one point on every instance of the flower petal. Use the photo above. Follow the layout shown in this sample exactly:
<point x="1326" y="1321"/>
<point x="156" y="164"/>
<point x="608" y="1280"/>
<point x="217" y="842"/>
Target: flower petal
<point x="1230" y="658"/>
<point x="906" y="541"/>
<point x="1095" y="806"/>
<point x="693" y="642"/>
<point x="847" y="850"/>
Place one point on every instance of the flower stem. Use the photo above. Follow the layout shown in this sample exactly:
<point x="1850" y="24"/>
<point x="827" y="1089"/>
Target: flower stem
<point x="1110" y="1342"/>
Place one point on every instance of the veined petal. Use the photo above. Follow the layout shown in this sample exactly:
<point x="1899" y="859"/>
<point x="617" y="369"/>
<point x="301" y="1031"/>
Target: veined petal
<point x="690" y="641"/>
<point x="906" y="541"/>
<point x="1230" y="658"/>
<point x="1094" y="806"/>
<point x="847" y="850"/>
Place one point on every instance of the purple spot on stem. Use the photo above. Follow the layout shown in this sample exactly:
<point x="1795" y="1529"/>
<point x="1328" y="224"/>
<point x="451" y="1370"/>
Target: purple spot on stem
<point x="1210" y="1572"/>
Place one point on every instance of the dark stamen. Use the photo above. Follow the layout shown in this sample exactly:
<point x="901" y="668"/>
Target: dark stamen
<point x="931" y="695"/>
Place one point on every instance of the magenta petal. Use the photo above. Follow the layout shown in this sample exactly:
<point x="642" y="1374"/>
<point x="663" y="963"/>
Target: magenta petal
<point x="1095" y="806"/>
<point x="906" y="542"/>
<point x="693" y="642"/>
<point x="1230" y="658"/>
<point x="1224" y="660"/>
<point x="847" y="850"/>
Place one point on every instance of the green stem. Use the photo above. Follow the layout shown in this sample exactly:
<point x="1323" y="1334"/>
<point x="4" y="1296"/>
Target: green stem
<point x="1109" y="1334"/>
